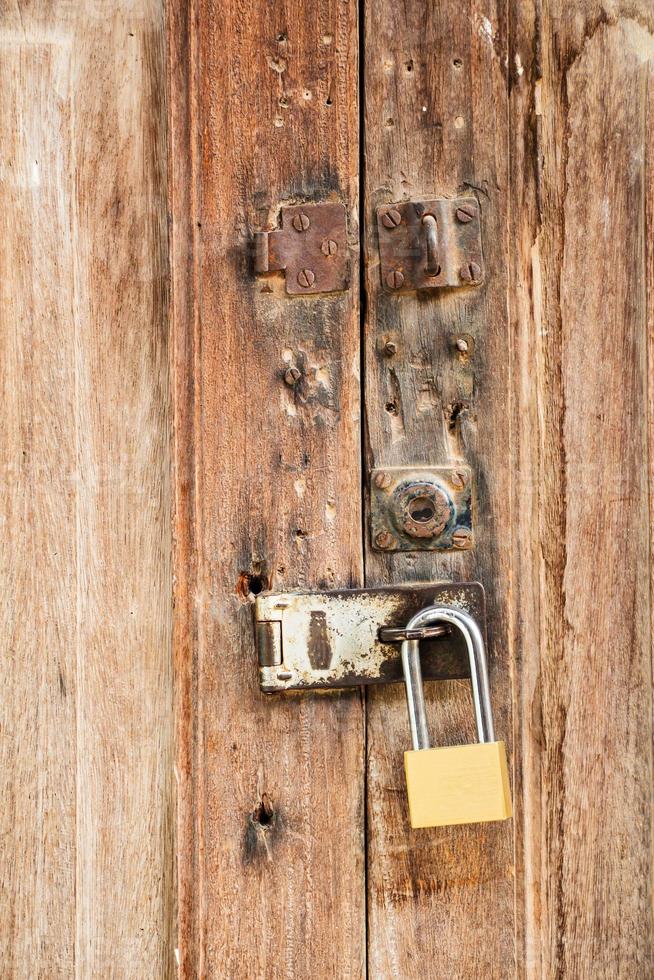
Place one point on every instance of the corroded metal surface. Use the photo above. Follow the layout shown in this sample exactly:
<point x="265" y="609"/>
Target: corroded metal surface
<point x="331" y="639"/>
<point x="430" y="244"/>
<point x="310" y="246"/>
<point x="421" y="508"/>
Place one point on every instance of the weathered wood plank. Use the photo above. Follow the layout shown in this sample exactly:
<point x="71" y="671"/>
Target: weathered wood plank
<point x="441" y="902"/>
<point x="87" y="831"/>
<point x="581" y="318"/>
<point x="37" y="544"/>
<point x="263" y="110"/>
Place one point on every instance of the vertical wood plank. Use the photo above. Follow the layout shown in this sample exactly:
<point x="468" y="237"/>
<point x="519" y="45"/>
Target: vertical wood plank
<point x="263" y="110"/>
<point x="581" y="317"/>
<point x="440" y="902"/>
<point x="87" y="839"/>
<point x="38" y="539"/>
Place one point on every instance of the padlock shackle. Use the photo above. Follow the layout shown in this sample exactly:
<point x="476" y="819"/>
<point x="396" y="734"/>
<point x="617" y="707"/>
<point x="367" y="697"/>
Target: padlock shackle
<point x="464" y="622"/>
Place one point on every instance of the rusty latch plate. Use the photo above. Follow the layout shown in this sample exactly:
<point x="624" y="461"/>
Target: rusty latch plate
<point x="331" y="639"/>
<point x="456" y="257"/>
<point x="310" y="247"/>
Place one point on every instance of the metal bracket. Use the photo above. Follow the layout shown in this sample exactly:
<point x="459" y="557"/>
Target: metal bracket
<point x="430" y="244"/>
<point x="311" y="247"/>
<point x="349" y="638"/>
<point x="421" y="508"/>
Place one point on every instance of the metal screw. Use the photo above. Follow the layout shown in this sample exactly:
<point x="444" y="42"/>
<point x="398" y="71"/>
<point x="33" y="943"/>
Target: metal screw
<point x="391" y="219"/>
<point x="301" y="222"/>
<point x="470" y="272"/>
<point x="462" y="344"/>
<point x="394" y="279"/>
<point x="458" y="480"/>
<point x="382" y="480"/>
<point x="466" y="212"/>
<point x="385" y="540"/>
<point x="306" y="278"/>
<point x="390" y="348"/>
<point x="292" y="376"/>
<point x="461" y="537"/>
<point x="329" y="247"/>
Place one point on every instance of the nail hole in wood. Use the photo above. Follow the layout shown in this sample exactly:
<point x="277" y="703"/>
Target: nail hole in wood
<point x="264" y="813"/>
<point x="250" y="585"/>
<point x="452" y="413"/>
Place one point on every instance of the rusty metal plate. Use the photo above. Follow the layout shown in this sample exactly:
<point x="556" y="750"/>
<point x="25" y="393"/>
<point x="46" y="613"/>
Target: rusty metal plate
<point x="421" y="508"/>
<point x="430" y="244"/>
<point x="310" y="246"/>
<point x="331" y="639"/>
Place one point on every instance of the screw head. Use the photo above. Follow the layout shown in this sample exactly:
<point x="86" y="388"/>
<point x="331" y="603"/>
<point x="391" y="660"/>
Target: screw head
<point x="329" y="247"/>
<point x="465" y="213"/>
<point x="462" y="345"/>
<point x="470" y="272"/>
<point x="306" y="278"/>
<point x="382" y="480"/>
<point x="292" y="376"/>
<point x="301" y="222"/>
<point x="461" y="537"/>
<point x="390" y="348"/>
<point x="385" y="540"/>
<point x="391" y="218"/>
<point x="394" y="279"/>
<point x="458" y="480"/>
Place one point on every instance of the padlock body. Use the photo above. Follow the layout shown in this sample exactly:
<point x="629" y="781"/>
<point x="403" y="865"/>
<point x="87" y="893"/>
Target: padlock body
<point x="458" y="784"/>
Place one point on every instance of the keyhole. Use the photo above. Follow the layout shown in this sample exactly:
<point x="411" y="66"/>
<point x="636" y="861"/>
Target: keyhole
<point x="422" y="510"/>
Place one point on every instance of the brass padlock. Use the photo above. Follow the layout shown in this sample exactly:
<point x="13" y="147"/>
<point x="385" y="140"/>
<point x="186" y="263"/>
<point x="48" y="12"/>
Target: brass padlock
<point x="457" y="783"/>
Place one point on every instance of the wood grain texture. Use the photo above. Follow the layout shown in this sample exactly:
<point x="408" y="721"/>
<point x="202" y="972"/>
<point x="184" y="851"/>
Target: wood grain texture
<point x="263" y="111"/>
<point x="441" y="901"/>
<point x="581" y="301"/>
<point x="86" y="853"/>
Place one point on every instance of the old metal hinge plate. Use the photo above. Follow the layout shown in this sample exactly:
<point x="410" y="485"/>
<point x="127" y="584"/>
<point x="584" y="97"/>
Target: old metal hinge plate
<point x="332" y="639"/>
<point x="310" y="246"/>
<point x="430" y="244"/>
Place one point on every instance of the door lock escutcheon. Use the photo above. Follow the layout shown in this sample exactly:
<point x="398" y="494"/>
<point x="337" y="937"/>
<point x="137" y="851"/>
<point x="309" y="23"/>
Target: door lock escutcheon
<point x="430" y="244"/>
<point x="421" y="508"/>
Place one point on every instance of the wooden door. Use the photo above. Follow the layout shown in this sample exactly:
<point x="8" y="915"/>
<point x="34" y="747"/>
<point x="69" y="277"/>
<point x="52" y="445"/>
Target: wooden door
<point x="144" y="359"/>
<point x="295" y="854"/>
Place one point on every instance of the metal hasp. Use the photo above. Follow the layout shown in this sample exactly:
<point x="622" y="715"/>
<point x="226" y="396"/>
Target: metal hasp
<point x="421" y="508"/>
<point x="351" y="637"/>
<point x="430" y="244"/>
<point x="310" y="246"/>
